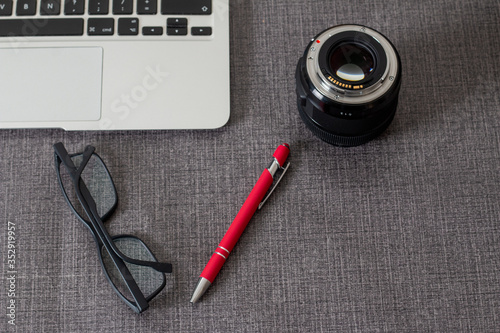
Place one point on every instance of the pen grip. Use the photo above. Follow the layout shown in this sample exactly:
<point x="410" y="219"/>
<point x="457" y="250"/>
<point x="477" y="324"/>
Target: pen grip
<point x="213" y="267"/>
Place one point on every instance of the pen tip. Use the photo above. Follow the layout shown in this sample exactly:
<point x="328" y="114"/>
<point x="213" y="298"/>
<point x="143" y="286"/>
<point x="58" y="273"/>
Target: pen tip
<point x="200" y="289"/>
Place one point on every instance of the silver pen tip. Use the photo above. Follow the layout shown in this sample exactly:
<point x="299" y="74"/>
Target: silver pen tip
<point x="200" y="289"/>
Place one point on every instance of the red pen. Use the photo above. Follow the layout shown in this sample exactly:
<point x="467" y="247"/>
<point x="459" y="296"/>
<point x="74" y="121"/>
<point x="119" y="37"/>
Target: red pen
<point x="254" y="201"/>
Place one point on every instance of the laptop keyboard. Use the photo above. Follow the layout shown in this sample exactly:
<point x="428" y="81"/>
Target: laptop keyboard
<point x="133" y="18"/>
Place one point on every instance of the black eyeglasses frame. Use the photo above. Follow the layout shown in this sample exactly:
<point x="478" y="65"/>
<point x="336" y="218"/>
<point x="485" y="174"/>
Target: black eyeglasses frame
<point x="99" y="232"/>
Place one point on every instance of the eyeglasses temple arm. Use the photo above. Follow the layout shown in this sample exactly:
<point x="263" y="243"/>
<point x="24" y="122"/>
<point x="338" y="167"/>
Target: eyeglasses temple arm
<point x="65" y="158"/>
<point x="140" y="300"/>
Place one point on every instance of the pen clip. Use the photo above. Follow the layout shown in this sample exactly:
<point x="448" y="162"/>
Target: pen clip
<point x="284" y="169"/>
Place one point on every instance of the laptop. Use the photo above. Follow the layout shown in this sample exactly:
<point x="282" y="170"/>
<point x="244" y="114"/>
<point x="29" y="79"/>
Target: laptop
<point x="114" y="64"/>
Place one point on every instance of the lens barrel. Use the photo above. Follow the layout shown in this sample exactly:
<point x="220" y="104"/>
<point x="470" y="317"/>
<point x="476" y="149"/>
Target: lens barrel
<point x="348" y="83"/>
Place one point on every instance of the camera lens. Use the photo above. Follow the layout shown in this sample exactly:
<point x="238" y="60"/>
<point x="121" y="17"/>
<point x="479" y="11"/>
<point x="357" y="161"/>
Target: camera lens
<point x="348" y="84"/>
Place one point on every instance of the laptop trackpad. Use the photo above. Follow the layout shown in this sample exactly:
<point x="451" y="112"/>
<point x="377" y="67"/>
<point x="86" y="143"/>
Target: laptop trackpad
<point x="50" y="84"/>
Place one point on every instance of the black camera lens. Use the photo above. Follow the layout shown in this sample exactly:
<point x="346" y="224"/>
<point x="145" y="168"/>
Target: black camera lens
<point x="348" y="84"/>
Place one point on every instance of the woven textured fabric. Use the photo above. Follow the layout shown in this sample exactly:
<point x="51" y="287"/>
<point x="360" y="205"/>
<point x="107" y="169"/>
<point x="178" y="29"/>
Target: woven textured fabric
<point x="401" y="234"/>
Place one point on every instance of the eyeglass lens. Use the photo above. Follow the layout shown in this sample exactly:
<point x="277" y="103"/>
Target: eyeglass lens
<point x="98" y="182"/>
<point x="148" y="279"/>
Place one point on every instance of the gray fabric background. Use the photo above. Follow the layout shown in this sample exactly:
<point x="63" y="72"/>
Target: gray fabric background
<point x="399" y="235"/>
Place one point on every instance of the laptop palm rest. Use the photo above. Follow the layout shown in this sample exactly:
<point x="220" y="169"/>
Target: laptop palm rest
<point x="50" y="84"/>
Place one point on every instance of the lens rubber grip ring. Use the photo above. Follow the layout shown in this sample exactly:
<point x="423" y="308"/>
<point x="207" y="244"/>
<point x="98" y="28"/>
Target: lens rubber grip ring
<point x="343" y="141"/>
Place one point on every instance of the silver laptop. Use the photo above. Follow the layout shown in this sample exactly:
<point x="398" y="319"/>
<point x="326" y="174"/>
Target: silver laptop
<point x="114" y="64"/>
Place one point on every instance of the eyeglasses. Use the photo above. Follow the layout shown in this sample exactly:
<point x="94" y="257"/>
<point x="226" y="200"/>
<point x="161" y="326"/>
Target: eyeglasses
<point x="129" y="265"/>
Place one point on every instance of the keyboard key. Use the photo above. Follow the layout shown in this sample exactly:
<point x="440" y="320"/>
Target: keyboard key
<point x="5" y="7"/>
<point x="122" y="6"/>
<point x="177" y="31"/>
<point x="186" y="7"/>
<point x="34" y="27"/>
<point x="148" y="7"/>
<point x="128" y="26"/>
<point x="74" y="7"/>
<point x="26" y="7"/>
<point x="98" y="7"/>
<point x="50" y="7"/>
<point x="156" y="31"/>
<point x="100" y="26"/>
<point x="177" y="22"/>
<point x="201" y="31"/>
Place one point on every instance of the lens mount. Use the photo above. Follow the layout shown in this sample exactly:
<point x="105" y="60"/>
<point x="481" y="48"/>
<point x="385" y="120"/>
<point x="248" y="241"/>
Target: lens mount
<point x="348" y="83"/>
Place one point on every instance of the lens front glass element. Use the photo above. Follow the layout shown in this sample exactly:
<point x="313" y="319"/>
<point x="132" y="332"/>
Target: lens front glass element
<point x="351" y="62"/>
